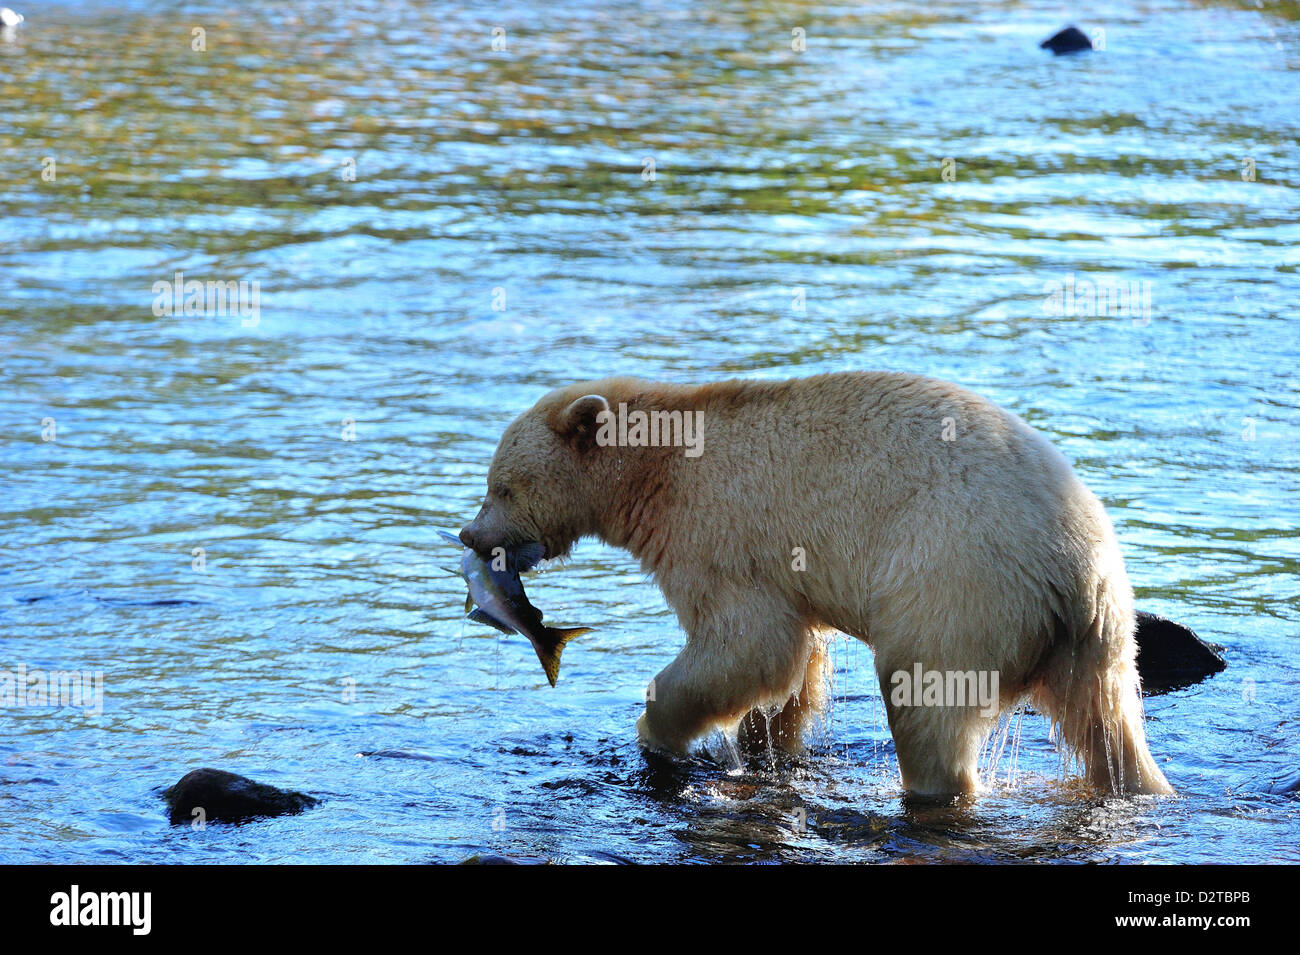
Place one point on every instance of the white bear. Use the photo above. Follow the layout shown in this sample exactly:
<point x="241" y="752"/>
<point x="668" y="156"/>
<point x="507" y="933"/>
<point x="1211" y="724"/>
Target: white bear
<point x="905" y="511"/>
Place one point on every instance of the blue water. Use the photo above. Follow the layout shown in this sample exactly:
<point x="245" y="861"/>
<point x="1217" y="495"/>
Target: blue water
<point x="322" y="625"/>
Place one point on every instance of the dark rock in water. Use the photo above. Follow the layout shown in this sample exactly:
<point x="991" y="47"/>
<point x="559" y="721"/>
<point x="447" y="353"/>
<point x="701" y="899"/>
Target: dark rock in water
<point x="395" y="754"/>
<point x="1283" y="785"/>
<point x="489" y="859"/>
<point x="1069" y="40"/>
<point x="225" y="797"/>
<point x="1170" y="656"/>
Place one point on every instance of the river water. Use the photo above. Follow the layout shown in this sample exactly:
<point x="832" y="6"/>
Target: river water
<point x="232" y="516"/>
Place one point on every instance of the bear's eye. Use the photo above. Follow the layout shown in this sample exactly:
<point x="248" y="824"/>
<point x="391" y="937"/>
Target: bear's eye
<point x="503" y="493"/>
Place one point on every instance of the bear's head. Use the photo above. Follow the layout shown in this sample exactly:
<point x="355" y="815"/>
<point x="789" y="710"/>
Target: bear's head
<point x="543" y="484"/>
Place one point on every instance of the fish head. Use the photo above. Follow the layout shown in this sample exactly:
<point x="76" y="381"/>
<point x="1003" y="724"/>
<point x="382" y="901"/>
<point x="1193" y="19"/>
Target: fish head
<point x="541" y="484"/>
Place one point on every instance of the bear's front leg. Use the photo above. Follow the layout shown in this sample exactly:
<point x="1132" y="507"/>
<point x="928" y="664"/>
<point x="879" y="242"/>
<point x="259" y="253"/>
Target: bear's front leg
<point x="747" y="654"/>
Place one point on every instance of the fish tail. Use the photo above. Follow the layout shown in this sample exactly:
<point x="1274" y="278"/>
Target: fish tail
<point x="550" y="655"/>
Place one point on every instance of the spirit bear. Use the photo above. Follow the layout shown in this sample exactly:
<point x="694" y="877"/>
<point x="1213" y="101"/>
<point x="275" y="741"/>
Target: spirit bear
<point x="905" y="511"/>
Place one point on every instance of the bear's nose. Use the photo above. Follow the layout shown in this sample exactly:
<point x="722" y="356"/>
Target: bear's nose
<point x="468" y="539"/>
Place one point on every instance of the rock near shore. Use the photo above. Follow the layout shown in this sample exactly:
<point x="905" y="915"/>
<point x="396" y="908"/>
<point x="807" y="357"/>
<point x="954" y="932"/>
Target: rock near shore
<point x="1069" y="40"/>
<point x="1170" y="656"/>
<point x="225" y="797"/>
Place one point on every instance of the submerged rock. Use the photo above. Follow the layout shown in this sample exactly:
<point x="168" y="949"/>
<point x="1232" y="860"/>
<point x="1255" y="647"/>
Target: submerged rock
<point x="225" y="797"/>
<point x="481" y="858"/>
<point x="1170" y="656"/>
<point x="1069" y="40"/>
<point x="1288" y="785"/>
<point x="395" y="754"/>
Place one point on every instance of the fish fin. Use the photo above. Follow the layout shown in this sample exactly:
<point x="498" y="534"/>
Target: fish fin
<point x="528" y="556"/>
<point x="452" y="539"/>
<point x="479" y="615"/>
<point x="550" y="655"/>
<point x="469" y="602"/>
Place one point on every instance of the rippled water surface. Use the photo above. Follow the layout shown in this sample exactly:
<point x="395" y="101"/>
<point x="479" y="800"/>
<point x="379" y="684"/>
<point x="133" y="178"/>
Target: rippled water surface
<point x="523" y="174"/>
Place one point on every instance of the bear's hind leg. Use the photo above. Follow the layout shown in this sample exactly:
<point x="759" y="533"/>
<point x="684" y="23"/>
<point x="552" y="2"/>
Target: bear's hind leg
<point x="938" y="747"/>
<point x="785" y="729"/>
<point x="1089" y="689"/>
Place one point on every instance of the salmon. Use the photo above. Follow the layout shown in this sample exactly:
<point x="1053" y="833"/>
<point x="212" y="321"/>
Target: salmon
<point x="497" y="598"/>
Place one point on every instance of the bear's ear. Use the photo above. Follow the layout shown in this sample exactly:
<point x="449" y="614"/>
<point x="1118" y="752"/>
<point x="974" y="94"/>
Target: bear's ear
<point x="579" y="422"/>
